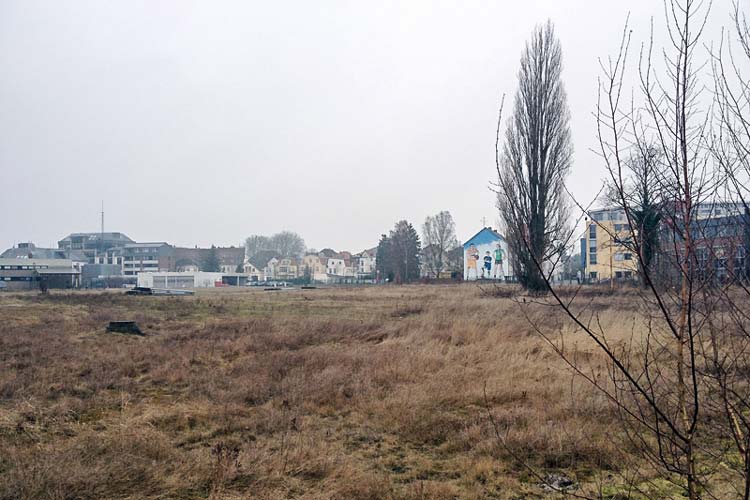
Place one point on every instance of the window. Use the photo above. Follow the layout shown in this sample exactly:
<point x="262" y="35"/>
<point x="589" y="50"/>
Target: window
<point x="592" y="231"/>
<point x="618" y="228"/>
<point x="592" y="275"/>
<point x="592" y="258"/>
<point x="618" y="274"/>
<point x="628" y="256"/>
<point x="619" y="257"/>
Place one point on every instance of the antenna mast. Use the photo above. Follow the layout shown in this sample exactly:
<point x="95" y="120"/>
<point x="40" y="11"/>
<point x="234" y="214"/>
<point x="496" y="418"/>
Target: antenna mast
<point x="101" y="241"/>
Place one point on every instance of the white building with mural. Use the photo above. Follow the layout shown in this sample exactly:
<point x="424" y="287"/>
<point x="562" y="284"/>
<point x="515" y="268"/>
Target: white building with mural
<point x="486" y="257"/>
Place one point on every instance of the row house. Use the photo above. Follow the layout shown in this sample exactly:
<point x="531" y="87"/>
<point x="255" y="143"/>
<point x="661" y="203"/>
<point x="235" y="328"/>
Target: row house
<point x="286" y="269"/>
<point x="326" y="266"/>
<point x="365" y="260"/>
<point x="262" y="265"/>
<point x="315" y="266"/>
<point x="192" y="259"/>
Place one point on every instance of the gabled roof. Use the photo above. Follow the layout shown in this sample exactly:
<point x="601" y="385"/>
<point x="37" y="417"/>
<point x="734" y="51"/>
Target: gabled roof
<point x="328" y="252"/>
<point x="485" y="235"/>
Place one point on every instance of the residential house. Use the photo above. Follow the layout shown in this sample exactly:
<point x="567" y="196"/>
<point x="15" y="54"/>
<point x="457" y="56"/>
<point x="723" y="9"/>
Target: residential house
<point x="314" y="265"/>
<point x="366" y="264"/>
<point x="336" y="267"/>
<point x="262" y="265"/>
<point x="486" y="256"/>
<point x="286" y="269"/>
<point x="193" y="259"/>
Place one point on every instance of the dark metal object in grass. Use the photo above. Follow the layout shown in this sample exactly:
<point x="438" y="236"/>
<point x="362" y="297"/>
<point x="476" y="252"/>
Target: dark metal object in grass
<point x="274" y="289"/>
<point x="129" y="327"/>
<point x="308" y="287"/>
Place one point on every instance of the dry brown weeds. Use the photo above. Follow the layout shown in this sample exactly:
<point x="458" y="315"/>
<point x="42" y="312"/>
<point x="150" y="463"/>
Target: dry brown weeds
<point x="361" y="393"/>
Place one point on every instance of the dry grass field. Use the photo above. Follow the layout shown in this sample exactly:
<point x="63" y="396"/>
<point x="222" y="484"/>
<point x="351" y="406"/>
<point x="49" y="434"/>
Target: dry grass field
<point x="359" y="393"/>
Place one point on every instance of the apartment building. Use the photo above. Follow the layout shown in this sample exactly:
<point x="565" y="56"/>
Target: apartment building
<point x="606" y="244"/>
<point x="147" y="258"/>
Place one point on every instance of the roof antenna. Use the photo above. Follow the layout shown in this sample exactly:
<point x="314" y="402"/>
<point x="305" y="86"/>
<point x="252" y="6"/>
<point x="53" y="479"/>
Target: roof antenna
<point x="101" y="242"/>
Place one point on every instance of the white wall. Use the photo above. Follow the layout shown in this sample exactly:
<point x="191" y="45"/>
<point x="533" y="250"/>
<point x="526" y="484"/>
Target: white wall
<point x="482" y="247"/>
<point x="201" y="279"/>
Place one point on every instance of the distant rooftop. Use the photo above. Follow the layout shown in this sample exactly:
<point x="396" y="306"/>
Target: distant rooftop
<point x="150" y="244"/>
<point x="113" y="236"/>
<point x="28" y="250"/>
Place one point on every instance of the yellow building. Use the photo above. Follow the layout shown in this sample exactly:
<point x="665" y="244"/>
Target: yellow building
<point x="607" y="255"/>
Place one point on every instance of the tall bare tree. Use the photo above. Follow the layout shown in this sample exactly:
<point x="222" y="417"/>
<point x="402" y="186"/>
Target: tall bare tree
<point x="535" y="161"/>
<point x="439" y="238"/>
<point x="642" y="194"/>
<point x="287" y="243"/>
<point x="255" y="244"/>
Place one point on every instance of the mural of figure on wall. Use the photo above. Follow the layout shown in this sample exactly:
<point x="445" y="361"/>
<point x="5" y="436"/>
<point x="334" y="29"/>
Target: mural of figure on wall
<point x="487" y="267"/>
<point x="472" y="256"/>
<point x="486" y="255"/>
<point x="499" y="254"/>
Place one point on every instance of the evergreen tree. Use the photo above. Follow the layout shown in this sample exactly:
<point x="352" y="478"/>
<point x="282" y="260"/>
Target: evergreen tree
<point x="401" y="253"/>
<point x="211" y="263"/>
<point x="383" y="263"/>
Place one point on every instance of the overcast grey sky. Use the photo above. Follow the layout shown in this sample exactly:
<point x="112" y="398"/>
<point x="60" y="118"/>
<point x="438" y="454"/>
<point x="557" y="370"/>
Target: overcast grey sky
<point x="204" y="122"/>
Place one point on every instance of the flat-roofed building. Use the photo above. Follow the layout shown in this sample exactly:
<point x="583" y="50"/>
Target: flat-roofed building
<point x="609" y="253"/>
<point x="30" y="274"/>
<point x="197" y="279"/>
<point x="147" y="258"/>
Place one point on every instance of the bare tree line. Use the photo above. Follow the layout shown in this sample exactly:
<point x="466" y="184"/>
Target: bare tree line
<point x="286" y="243"/>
